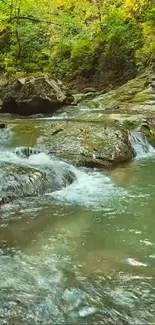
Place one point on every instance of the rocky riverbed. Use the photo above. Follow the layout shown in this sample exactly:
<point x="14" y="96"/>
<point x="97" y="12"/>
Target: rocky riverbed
<point x="93" y="133"/>
<point x="77" y="243"/>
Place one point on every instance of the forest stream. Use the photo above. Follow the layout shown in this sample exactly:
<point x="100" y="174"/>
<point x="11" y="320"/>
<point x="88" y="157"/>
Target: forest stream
<point x="76" y="245"/>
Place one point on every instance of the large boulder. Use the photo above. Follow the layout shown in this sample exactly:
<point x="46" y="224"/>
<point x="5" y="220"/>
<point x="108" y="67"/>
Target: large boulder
<point x="34" y="95"/>
<point x="90" y="144"/>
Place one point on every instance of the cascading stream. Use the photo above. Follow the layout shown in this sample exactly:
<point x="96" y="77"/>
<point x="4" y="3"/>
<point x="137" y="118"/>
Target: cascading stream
<point x="87" y="261"/>
<point x="39" y="173"/>
<point x="140" y="144"/>
<point x="21" y="177"/>
<point x="29" y="172"/>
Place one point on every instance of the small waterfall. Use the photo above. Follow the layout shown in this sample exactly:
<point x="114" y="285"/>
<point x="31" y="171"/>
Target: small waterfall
<point x="29" y="172"/>
<point x="140" y="144"/>
<point x="26" y="172"/>
<point x="34" y="175"/>
<point x="26" y="152"/>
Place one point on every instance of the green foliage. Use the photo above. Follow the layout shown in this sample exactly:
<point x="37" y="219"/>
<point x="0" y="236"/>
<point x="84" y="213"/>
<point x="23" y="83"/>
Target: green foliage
<point x="59" y="59"/>
<point x="81" y="49"/>
<point x="81" y="56"/>
<point x="146" y="53"/>
<point x="121" y="39"/>
<point x="95" y="40"/>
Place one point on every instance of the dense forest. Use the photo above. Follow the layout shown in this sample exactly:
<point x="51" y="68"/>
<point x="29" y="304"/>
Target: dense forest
<point x="96" y="41"/>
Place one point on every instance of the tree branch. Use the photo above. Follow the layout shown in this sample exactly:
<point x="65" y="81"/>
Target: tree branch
<point x="18" y="38"/>
<point x="34" y="20"/>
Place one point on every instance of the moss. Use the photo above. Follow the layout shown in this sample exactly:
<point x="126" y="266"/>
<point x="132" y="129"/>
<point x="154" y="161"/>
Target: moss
<point x="150" y="134"/>
<point x="88" y="96"/>
<point x="120" y="99"/>
<point x="141" y="97"/>
<point x="131" y="125"/>
<point x="28" y="75"/>
<point x="26" y="133"/>
<point x="95" y="118"/>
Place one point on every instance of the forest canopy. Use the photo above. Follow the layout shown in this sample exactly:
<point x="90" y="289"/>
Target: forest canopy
<point x="90" y="39"/>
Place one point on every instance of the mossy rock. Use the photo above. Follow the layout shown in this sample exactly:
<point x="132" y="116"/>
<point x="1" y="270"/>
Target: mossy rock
<point x="131" y="125"/>
<point x="91" y="144"/>
<point x="150" y="135"/>
<point x="141" y="97"/>
<point x="122" y="97"/>
<point x="20" y="180"/>
<point x="93" y="117"/>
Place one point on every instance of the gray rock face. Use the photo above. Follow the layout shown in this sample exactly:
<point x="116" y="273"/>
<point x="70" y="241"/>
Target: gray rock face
<point x="91" y="144"/>
<point x="35" y="95"/>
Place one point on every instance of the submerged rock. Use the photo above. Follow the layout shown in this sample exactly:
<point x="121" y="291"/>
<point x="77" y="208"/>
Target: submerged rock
<point x="23" y="180"/>
<point x="26" y="152"/>
<point x="92" y="144"/>
<point x="2" y="125"/>
<point x="34" y="95"/>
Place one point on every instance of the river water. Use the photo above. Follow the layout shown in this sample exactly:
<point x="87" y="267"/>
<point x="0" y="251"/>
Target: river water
<point x="79" y="254"/>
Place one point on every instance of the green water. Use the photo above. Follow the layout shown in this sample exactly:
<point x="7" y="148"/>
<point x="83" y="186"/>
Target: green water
<point x="68" y="261"/>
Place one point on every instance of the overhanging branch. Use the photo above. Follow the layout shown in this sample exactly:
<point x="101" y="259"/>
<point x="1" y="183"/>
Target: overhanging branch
<point x="34" y="20"/>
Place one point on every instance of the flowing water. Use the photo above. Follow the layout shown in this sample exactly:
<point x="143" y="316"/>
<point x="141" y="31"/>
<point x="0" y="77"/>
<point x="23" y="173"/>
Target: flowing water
<point x="76" y="245"/>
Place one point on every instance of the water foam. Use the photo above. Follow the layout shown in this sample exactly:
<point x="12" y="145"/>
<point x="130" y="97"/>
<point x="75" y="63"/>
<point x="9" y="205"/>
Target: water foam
<point x="89" y="188"/>
<point x="141" y="146"/>
<point x="5" y="136"/>
<point x="21" y="177"/>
